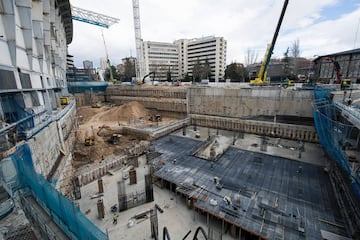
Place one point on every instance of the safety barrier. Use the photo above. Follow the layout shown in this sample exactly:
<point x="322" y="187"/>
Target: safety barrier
<point x="63" y="211"/>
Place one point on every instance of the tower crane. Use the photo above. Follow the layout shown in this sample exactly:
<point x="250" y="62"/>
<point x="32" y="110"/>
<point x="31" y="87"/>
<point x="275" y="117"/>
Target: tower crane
<point x="139" y="64"/>
<point x="96" y="19"/>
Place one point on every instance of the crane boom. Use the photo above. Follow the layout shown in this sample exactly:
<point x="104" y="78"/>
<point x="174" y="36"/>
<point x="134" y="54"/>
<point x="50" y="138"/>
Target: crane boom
<point x="91" y="17"/>
<point x="97" y="19"/>
<point x="261" y="78"/>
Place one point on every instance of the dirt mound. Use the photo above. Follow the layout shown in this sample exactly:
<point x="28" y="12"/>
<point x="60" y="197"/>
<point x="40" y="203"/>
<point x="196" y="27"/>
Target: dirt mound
<point x="125" y="112"/>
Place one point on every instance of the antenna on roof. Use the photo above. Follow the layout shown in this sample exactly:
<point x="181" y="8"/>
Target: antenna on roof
<point x="356" y="33"/>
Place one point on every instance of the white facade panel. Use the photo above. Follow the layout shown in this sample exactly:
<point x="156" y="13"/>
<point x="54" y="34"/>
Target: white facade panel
<point x="21" y="58"/>
<point x="5" y="58"/>
<point x="33" y="45"/>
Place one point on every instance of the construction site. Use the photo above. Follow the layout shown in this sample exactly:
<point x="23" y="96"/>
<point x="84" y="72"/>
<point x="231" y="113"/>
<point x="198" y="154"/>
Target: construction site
<point x="235" y="176"/>
<point x="158" y="159"/>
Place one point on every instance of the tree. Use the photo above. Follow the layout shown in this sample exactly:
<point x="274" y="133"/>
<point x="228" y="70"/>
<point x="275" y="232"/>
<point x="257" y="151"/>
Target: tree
<point x="115" y="73"/>
<point x="295" y="49"/>
<point x="201" y="70"/>
<point x="206" y="70"/>
<point x="187" y="77"/>
<point x="196" y="73"/>
<point x="250" y="57"/>
<point x="129" y="70"/>
<point x="236" y="72"/>
<point x="295" y="53"/>
<point x="168" y="75"/>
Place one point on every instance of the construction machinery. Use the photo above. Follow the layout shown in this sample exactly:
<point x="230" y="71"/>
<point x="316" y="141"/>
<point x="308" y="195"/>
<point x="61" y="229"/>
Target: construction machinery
<point x="344" y="83"/>
<point x="64" y="100"/>
<point x="90" y="140"/>
<point x="140" y="82"/>
<point x="106" y="131"/>
<point x="337" y="69"/>
<point x="261" y="80"/>
<point x="287" y="83"/>
<point x="97" y="19"/>
<point x="115" y="139"/>
<point x="96" y="105"/>
<point x="155" y="118"/>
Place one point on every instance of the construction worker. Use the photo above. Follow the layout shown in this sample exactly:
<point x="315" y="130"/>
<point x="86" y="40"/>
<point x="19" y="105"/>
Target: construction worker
<point x="115" y="217"/>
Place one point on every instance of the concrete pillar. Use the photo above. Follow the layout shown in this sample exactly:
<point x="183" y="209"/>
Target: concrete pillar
<point x="100" y="185"/>
<point x="154" y="223"/>
<point x="100" y="208"/>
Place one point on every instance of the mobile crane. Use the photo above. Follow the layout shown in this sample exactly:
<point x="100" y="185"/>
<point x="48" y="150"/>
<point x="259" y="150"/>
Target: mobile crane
<point x="261" y="80"/>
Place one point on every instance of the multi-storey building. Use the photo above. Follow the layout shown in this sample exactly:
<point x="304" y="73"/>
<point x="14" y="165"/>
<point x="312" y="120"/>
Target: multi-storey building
<point x="161" y="58"/>
<point x="201" y="50"/>
<point x="179" y="57"/>
<point x="346" y="63"/>
<point x="33" y="56"/>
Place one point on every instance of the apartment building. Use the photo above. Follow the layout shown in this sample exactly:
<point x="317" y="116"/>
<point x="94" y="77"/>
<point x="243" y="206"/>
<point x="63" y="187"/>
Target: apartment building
<point x="179" y="57"/>
<point x="201" y="50"/>
<point x="161" y="58"/>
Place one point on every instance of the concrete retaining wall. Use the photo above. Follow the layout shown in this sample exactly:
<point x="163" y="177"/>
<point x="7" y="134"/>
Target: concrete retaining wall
<point x="230" y="102"/>
<point x="56" y="139"/>
<point x="90" y="174"/>
<point x="220" y="107"/>
<point x="218" y="101"/>
<point x="289" y="131"/>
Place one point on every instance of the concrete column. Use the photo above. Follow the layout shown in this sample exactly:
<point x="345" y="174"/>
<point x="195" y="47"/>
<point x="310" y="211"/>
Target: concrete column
<point x="100" y="185"/>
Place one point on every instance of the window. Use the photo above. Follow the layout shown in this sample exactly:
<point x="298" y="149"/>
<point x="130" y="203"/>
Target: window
<point x="25" y="80"/>
<point x="7" y="80"/>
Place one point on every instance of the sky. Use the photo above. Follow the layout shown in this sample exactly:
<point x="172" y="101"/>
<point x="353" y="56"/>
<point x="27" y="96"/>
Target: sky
<point x="321" y="27"/>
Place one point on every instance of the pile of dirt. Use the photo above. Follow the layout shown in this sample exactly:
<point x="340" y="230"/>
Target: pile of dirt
<point x="129" y="111"/>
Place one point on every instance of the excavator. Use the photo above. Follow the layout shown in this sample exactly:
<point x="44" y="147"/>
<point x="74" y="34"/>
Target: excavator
<point x="90" y="140"/>
<point x="140" y="82"/>
<point x="261" y="80"/>
<point x="105" y="130"/>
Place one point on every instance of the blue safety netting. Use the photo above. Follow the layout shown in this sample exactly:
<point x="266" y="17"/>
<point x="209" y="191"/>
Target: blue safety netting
<point x="63" y="211"/>
<point x="334" y="135"/>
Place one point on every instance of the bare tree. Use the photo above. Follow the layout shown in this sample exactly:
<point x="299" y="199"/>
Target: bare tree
<point x="295" y="49"/>
<point x="295" y="53"/>
<point x="250" y="57"/>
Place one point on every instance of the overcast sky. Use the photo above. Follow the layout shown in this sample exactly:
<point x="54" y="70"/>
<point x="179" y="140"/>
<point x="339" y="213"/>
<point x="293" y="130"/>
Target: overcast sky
<point x="322" y="26"/>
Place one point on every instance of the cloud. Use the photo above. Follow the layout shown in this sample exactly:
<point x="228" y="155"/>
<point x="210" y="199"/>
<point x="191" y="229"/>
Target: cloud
<point x="244" y="24"/>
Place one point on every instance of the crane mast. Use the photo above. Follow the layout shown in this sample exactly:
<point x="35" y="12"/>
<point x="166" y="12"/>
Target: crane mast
<point x="138" y="40"/>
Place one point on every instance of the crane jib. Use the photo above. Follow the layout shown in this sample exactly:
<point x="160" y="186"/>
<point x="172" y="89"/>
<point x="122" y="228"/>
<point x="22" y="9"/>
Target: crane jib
<point x="269" y="52"/>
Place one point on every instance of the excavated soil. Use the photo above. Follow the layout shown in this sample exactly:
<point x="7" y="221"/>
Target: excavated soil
<point x="90" y="120"/>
